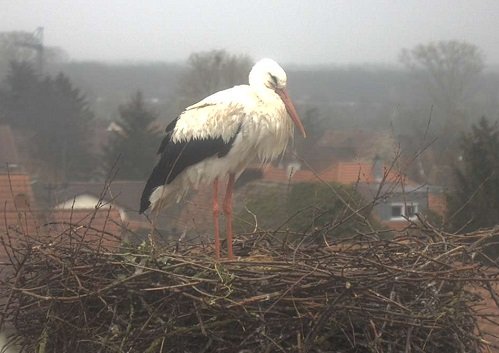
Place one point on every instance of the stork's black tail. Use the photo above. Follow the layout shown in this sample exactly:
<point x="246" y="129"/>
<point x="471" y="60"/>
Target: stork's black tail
<point x="162" y="170"/>
<point x="156" y="179"/>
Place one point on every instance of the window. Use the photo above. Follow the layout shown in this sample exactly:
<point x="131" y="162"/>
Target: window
<point x="401" y="211"/>
<point x="396" y="211"/>
<point x="410" y="211"/>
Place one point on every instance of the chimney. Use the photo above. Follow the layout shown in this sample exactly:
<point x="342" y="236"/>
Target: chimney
<point x="378" y="169"/>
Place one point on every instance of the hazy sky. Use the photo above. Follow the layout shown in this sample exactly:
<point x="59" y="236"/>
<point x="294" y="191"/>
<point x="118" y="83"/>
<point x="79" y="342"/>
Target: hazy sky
<point x="291" y="31"/>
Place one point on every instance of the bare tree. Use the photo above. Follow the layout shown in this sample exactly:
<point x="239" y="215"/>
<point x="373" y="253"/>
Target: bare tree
<point x="447" y="72"/>
<point x="212" y="71"/>
<point x="448" y="69"/>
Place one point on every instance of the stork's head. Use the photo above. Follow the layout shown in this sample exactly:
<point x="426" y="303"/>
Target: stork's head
<point x="267" y="74"/>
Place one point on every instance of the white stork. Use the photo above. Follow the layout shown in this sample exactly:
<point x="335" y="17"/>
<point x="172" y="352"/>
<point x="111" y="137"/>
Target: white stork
<point x="221" y="135"/>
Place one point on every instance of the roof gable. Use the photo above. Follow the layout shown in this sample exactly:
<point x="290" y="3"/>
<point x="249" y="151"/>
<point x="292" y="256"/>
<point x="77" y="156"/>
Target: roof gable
<point x="124" y="194"/>
<point x="79" y="202"/>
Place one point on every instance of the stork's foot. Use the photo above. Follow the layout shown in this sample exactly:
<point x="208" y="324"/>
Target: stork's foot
<point x="153" y="243"/>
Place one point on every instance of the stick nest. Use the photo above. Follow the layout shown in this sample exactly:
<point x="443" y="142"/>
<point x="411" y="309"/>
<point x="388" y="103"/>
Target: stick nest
<point x="417" y="293"/>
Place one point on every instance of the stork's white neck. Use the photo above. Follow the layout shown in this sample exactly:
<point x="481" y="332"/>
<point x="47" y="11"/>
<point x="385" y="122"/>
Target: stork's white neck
<point x="267" y="95"/>
<point x="262" y="87"/>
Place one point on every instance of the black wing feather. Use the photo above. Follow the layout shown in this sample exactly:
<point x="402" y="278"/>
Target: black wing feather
<point x="175" y="157"/>
<point x="166" y="139"/>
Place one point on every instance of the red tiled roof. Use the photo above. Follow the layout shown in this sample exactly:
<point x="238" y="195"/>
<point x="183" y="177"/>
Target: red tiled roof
<point x="340" y="172"/>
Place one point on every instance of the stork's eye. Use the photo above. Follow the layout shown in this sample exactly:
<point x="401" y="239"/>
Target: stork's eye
<point x="273" y="79"/>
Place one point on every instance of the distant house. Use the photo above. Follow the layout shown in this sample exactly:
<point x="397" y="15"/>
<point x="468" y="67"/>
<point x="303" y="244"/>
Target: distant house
<point x="398" y="199"/>
<point x="399" y="203"/>
<point x="123" y="197"/>
<point x="22" y="218"/>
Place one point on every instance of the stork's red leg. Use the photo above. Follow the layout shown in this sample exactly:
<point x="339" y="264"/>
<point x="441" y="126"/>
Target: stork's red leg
<point x="228" y="213"/>
<point x="216" y="211"/>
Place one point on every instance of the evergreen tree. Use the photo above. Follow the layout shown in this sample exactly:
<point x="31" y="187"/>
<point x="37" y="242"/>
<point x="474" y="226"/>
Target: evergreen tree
<point x="19" y="90"/>
<point x="62" y="130"/>
<point x="474" y="202"/>
<point x="133" y="147"/>
<point x="54" y="118"/>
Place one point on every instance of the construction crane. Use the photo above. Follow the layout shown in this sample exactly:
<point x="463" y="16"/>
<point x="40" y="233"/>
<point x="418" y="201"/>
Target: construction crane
<point x="35" y="42"/>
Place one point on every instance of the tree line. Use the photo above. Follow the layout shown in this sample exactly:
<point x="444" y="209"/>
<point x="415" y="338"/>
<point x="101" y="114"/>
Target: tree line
<point x="55" y="120"/>
<point x="56" y="126"/>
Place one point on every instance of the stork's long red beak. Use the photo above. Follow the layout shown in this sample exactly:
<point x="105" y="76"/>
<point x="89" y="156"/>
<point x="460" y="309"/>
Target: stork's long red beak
<point x="291" y="110"/>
